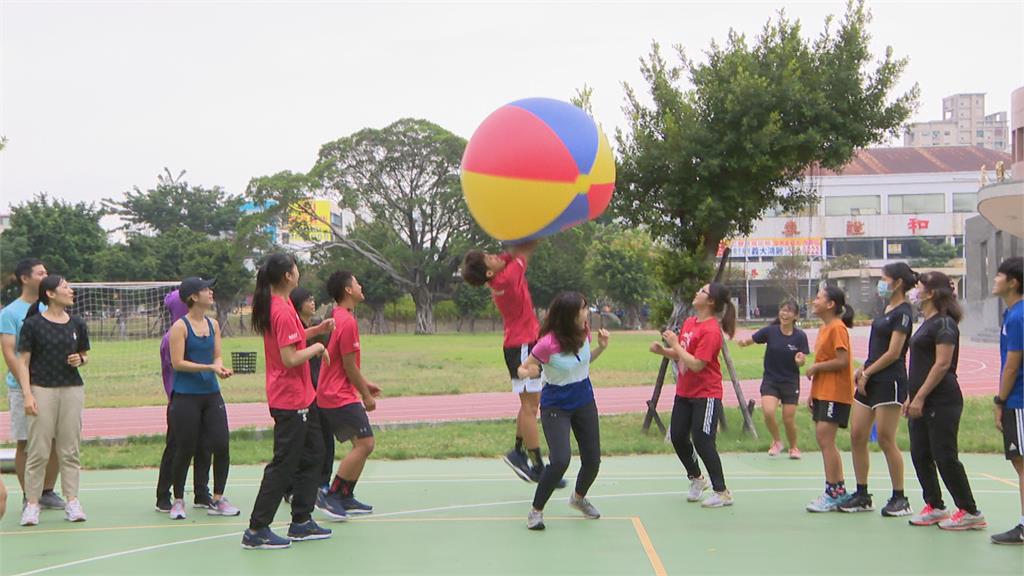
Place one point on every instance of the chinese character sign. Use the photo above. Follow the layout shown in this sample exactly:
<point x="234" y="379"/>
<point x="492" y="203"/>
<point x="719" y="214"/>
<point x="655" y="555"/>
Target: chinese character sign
<point x="915" y="224"/>
<point x="789" y="230"/>
<point x="854" y="228"/>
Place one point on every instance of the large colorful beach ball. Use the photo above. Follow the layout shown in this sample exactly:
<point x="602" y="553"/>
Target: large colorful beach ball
<point x="535" y="167"/>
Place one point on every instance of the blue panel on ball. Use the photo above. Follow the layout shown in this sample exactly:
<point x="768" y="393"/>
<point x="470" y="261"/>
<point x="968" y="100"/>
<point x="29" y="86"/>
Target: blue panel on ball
<point x="577" y="211"/>
<point x="574" y="127"/>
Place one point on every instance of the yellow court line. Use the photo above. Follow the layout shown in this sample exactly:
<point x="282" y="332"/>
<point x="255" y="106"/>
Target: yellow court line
<point x="645" y="540"/>
<point x="998" y="479"/>
<point x="34" y="532"/>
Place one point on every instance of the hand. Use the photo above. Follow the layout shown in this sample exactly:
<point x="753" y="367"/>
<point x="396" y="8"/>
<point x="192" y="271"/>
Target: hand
<point x="800" y="357"/>
<point x="811" y="372"/>
<point x="671" y="337"/>
<point x="810" y="404"/>
<point x="602" y="338"/>
<point x="221" y="371"/>
<point x="744" y="342"/>
<point x="998" y="411"/>
<point x="862" y="383"/>
<point x="915" y="409"/>
<point x="523" y="372"/>
<point x="370" y="404"/>
<point x="657" y="348"/>
<point x="32" y="409"/>
<point x="374" y="390"/>
<point x="75" y="360"/>
<point x="325" y="326"/>
<point x="325" y="356"/>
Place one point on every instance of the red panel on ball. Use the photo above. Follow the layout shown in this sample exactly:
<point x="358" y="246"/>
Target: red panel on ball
<point x="514" y="143"/>
<point x="599" y="196"/>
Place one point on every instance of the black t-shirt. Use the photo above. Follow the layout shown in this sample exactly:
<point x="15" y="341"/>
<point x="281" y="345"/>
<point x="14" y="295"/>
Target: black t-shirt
<point x="779" y="354"/>
<point x="899" y="319"/>
<point x="50" y="344"/>
<point x="939" y="329"/>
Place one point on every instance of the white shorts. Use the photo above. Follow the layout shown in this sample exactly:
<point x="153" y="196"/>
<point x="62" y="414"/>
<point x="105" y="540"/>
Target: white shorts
<point x="514" y="357"/>
<point x="19" y="422"/>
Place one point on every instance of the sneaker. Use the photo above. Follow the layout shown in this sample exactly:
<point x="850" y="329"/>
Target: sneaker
<point x="1014" y="535"/>
<point x="330" y="504"/>
<point x="163" y="505"/>
<point x="30" y="515"/>
<point x="50" y="500"/>
<point x="519" y="464"/>
<point x="794" y="454"/>
<point x="535" y="520"/>
<point x="775" y="448"/>
<point x="964" y="520"/>
<point x="717" y="500"/>
<point x="824" y="503"/>
<point x="928" y="516"/>
<point x="73" y="511"/>
<point x="897" y="507"/>
<point x="178" y="510"/>
<point x="858" y="502"/>
<point x="222" y="508"/>
<point x="354" y="507"/>
<point x="583" y="505"/>
<point x="203" y="502"/>
<point x="308" y="530"/>
<point x="287" y="497"/>
<point x="537" y="471"/>
<point x="263" y="539"/>
<point x="697" y="487"/>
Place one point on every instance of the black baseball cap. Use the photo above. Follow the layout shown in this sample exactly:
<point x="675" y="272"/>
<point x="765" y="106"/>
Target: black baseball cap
<point x="194" y="285"/>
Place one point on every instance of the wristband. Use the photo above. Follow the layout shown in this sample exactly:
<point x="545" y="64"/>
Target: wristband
<point x="998" y="401"/>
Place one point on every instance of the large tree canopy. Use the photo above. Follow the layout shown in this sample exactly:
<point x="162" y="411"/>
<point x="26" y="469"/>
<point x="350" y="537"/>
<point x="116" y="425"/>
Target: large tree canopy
<point x="702" y="163"/>
<point x="174" y="203"/>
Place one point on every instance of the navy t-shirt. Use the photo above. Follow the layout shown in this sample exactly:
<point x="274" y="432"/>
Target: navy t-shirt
<point x="899" y="319"/>
<point x="780" y="353"/>
<point x="939" y="329"/>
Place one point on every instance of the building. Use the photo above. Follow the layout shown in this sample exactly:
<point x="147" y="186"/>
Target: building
<point x="880" y="208"/>
<point x="312" y="231"/>
<point x="997" y="233"/>
<point x="5" y="222"/>
<point x="963" y="123"/>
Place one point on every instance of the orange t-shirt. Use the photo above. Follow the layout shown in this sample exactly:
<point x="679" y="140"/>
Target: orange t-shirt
<point x="834" y="386"/>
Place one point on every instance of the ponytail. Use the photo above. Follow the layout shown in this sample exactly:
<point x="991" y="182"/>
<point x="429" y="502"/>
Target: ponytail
<point x="847" y="316"/>
<point x="270" y="274"/>
<point x="722" y="304"/>
<point x="48" y="284"/>
<point x="843" y="311"/>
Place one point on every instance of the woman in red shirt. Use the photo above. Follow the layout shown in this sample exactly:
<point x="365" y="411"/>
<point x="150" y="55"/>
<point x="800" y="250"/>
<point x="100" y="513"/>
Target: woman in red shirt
<point x="699" y="390"/>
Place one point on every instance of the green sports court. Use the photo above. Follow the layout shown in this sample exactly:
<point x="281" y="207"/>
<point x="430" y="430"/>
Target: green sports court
<point x="469" y="517"/>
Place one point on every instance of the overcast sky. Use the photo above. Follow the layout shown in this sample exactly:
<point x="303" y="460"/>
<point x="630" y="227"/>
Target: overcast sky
<point x="99" y="97"/>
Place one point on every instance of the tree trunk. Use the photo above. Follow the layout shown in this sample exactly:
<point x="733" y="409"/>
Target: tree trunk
<point x="222" y="319"/>
<point x="378" y="324"/>
<point x="633" y="317"/>
<point x="424" y="301"/>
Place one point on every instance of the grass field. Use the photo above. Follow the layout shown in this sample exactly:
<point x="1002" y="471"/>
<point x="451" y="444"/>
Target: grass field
<point x="468" y="516"/>
<point x="128" y="373"/>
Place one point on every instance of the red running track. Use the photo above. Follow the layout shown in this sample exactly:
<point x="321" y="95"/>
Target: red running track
<point x="978" y="374"/>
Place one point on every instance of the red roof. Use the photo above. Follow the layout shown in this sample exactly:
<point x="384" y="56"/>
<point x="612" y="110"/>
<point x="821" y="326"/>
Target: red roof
<point x="907" y="160"/>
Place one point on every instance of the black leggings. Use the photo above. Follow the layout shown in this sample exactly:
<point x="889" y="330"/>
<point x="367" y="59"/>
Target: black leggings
<point x="298" y="458"/>
<point x="199" y="419"/>
<point x="586" y="427"/>
<point x="933" y="445"/>
<point x="200" y="467"/>
<point x="696" y="419"/>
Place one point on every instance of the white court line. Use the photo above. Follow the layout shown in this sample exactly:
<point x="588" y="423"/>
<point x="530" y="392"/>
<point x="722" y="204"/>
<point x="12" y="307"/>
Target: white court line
<point x="418" y="511"/>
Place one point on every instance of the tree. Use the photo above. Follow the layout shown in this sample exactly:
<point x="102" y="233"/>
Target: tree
<point x="557" y="264"/>
<point x="787" y="272"/>
<point x="935" y="255"/>
<point x="621" y="266"/>
<point x="842" y="262"/>
<point x="174" y="203"/>
<point x="470" y="302"/>
<point x="67" y="237"/>
<point x="702" y="164"/>
<point x="404" y="180"/>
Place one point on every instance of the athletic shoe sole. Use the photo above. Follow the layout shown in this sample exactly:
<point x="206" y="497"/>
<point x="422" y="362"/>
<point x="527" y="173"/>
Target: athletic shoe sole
<point x="927" y="523"/>
<point x="898" y="514"/>
<point x="267" y="546"/>
<point x="356" y="512"/>
<point x="982" y="526"/>
<point x="309" y="537"/>
<point x="332" y="515"/>
<point x="524" y="475"/>
<point x="855" y="510"/>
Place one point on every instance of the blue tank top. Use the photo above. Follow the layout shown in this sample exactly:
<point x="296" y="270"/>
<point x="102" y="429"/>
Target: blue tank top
<point x="200" y="351"/>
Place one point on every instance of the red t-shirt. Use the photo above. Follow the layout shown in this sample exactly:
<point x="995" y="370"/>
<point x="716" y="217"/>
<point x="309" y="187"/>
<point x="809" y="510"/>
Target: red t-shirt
<point x="287" y="388"/>
<point x="704" y="341"/>
<point x="511" y="295"/>
<point x="334" y="389"/>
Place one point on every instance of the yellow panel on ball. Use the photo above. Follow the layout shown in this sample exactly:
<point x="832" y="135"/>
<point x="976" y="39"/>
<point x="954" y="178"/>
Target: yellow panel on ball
<point x="512" y="208"/>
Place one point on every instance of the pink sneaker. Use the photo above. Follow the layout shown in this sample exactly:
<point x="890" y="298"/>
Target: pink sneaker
<point x="776" y="447"/>
<point x="794" y="454"/>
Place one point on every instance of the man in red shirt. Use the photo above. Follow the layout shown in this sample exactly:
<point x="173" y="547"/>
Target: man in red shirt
<point x="505" y="275"/>
<point x="344" y="396"/>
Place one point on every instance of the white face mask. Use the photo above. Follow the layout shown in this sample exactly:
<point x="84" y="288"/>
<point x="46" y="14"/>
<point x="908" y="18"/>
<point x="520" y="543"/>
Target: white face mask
<point x="914" y="296"/>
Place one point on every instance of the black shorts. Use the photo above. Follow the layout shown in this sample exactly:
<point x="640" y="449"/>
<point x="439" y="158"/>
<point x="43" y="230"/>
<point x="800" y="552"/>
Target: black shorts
<point x="887" y="391"/>
<point x="789" y="393"/>
<point x="1013" y="432"/>
<point x="829" y="411"/>
<point x="349" y="421"/>
<point x="514" y="358"/>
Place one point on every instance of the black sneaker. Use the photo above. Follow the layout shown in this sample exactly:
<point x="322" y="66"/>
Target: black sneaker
<point x="1014" y="535"/>
<point x="897" y="507"/>
<point x="330" y="505"/>
<point x="287" y="497"/>
<point x="519" y="464"/>
<point x="859" y="502"/>
<point x="203" y="501"/>
<point x="263" y="539"/>
<point x="537" y="471"/>
<point x="354" y="507"/>
<point x="308" y="530"/>
<point x="163" y="505"/>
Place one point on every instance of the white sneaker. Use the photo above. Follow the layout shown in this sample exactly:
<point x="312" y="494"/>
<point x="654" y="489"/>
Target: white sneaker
<point x="535" y="520"/>
<point x="222" y="508"/>
<point x="30" y="515"/>
<point x="73" y="511"/>
<point x="697" y="487"/>
<point x="178" y="510"/>
<point x="717" y="500"/>
<point x="584" y="506"/>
